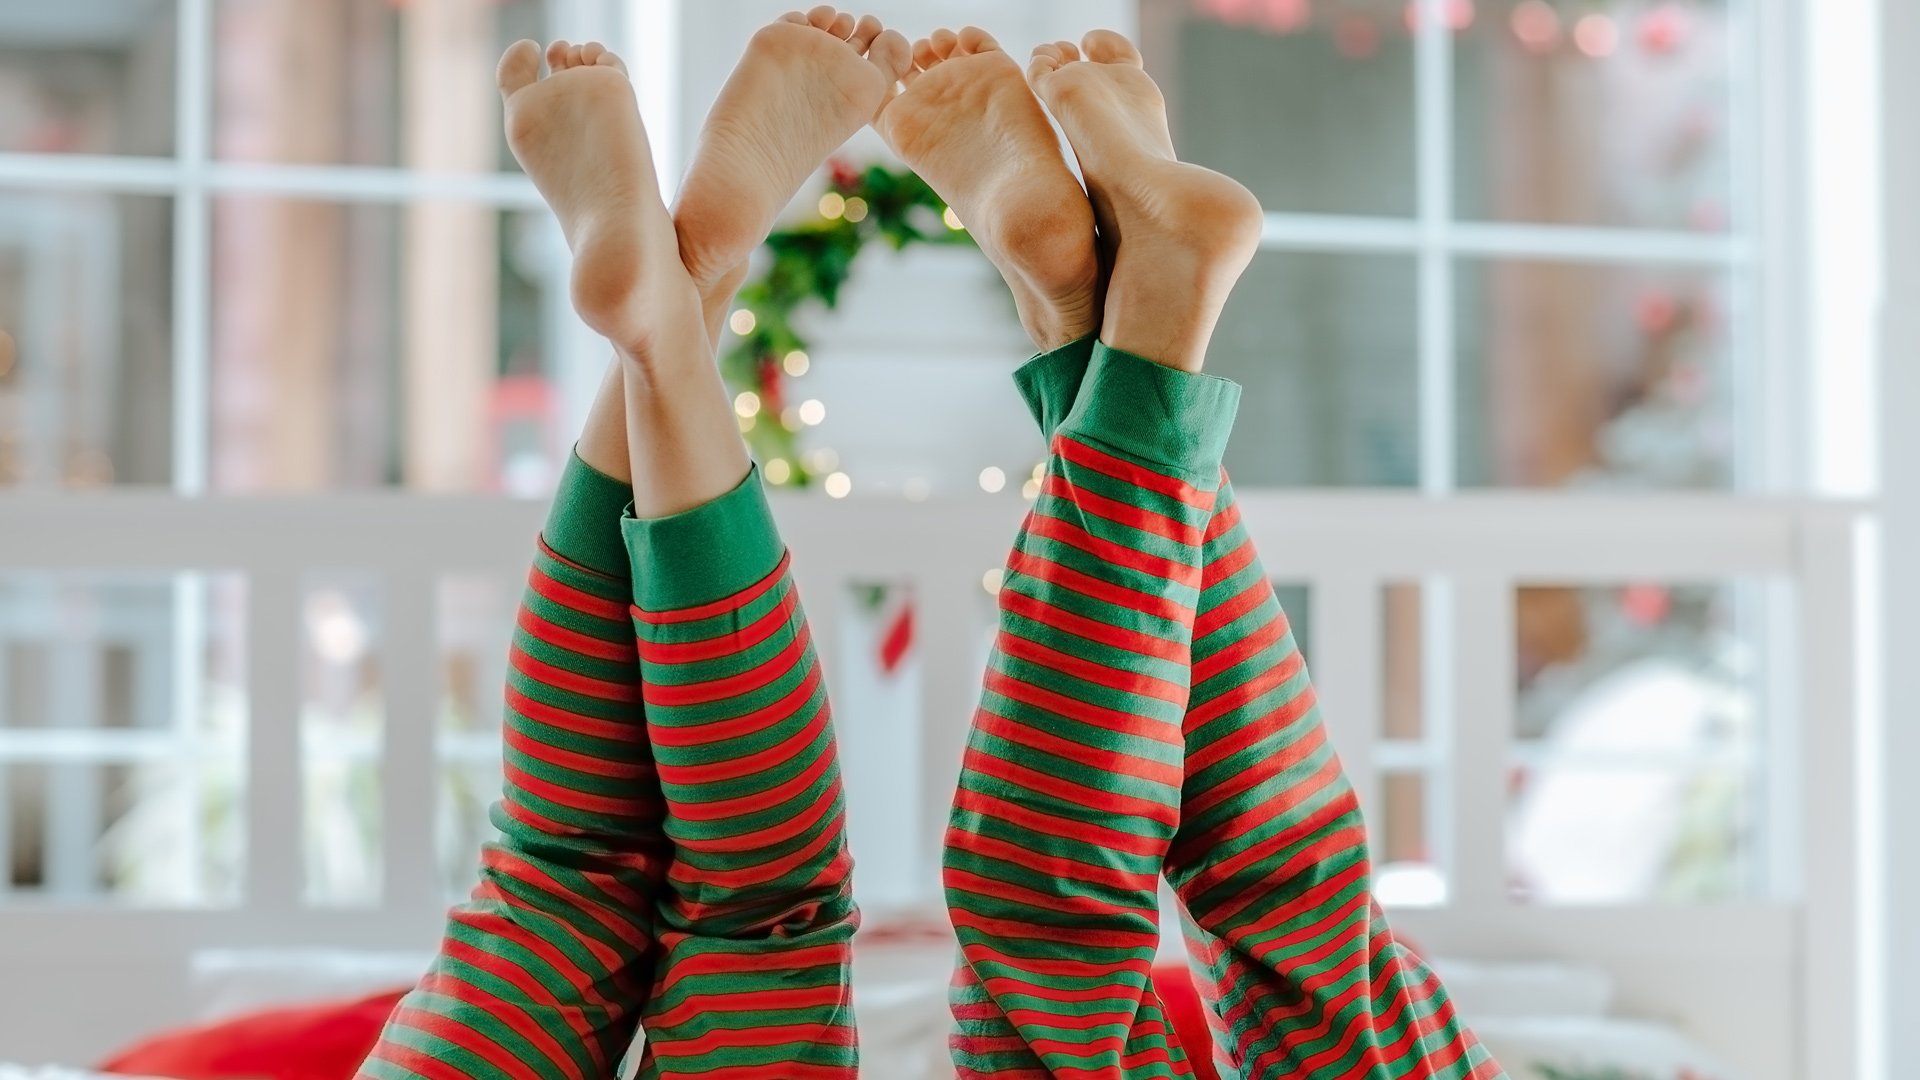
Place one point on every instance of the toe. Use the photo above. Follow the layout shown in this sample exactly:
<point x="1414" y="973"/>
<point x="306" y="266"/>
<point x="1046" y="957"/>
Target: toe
<point x="609" y="59"/>
<point x="843" y="25"/>
<point x="822" y="17"/>
<point x="557" y="54"/>
<point x="892" y="55"/>
<point x="591" y="52"/>
<point x="576" y="56"/>
<point x="795" y="17"/>
<point x="943" y="41"/>
<point x="975" y="40"/>
<point x="1108" y="47"/>
<point x="864" y="33"/>
<point x="923" y="55"/>
<point x="519" y="67"/>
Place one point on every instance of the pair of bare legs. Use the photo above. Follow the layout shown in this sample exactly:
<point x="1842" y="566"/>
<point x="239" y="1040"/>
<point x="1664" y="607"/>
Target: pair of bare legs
<point x="1145" y="255"/>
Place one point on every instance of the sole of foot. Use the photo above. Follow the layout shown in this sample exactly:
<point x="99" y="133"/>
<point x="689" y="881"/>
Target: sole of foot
<point x="969" y="124"/>
<point x="806" y="83"/>
<point x="1182" y="234"/>
<point x="577" y="133"/>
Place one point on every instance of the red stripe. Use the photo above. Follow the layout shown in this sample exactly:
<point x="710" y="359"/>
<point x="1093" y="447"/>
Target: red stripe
<point x="731" y="643"/>
<point x="560" y="637"/>
<point x="1135" y="683"/>
<point x="1132" y="475"/>
<point x="1046" y="613"/>
<point x="708" y="691"/>
<point x="718" y="731"/>
<point x="585" y="685"/>
<point x="1061" y="531"/>
<point x="576" y="599"/>
<point x="1041" y="568"/>
<point x="1125" y="514"/>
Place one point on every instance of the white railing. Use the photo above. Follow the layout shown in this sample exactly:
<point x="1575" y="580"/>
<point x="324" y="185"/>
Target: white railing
<point x="1767" y="983"/>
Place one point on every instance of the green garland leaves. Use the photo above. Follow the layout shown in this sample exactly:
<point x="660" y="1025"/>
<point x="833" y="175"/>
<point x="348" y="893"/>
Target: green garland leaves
<point x="810" y="262"/>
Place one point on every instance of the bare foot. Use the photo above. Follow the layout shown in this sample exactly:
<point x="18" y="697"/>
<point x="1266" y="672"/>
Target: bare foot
<point x="1184" y="233"/>
<point x="578" y="134"/>
<point x="805" y="85"/>
<point x="969" y="124"/>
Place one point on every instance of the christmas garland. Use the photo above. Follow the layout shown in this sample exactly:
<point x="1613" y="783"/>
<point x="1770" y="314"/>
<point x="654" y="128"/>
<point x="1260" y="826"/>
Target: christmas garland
<point x="810" y="262"/>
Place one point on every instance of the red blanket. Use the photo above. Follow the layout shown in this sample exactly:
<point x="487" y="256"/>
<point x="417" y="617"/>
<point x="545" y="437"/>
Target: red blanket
<point x="329" y="1040"/>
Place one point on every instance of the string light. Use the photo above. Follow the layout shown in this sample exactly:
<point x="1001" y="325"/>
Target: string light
<point x="838" y="484"/>
<point x="796" y="363"/>
<point x="812" y="411"/>
<point x="1596" y="35"/>
<point x="952" y="219"/>
<point x="790" y="418"/>
<point x="747" y="403"/>
<point x="992" y="580"/>
<point x="1030" y="490"/>
<point x="1039" y="471"/>
<point x="823" y="460"/>
<point x="832" y="205"/>
<point x="1536" y="24"/>
<point x="779" y="471"/>
<point x="746" y="424"/>
<point x="742" y="322"/>
<point x="856" y="209"/>
<point x="992" y="479"/>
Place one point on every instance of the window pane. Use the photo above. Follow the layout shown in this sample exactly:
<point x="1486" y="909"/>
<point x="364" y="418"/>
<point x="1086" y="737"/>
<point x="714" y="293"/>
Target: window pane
<point x="877" y="689"/>
<point x="86" y="350"/>
<point x="87" y="78"/>
<point x="342" y="718"/>
<point x="474" y="626"/>
<point x="362" y="345"/>
<point x="1309" y="105"/>
<point x="1323" y="347"/>
<point x="1403" y="656"/>
<point x="1636" y="741"/>
<point x="122" y="738"/>
<point x="1592" y="376"/>
<point x="365" y="82"/>
<point x="1613" y="113"/>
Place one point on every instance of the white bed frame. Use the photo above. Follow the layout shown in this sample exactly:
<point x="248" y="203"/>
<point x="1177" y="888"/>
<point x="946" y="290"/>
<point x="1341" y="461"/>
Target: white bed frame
<point x="1771" y="986"/>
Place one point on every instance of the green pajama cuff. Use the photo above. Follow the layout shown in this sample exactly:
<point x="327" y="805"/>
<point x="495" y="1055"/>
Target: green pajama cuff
<point x="1051" y="380"/>
<point x="705" y="554"/>
<point x="583" y="524"/>
<point x="1177" y="420"/>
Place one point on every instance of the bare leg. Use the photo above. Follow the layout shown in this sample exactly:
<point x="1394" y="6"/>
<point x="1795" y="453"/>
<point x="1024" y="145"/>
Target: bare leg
<point x="969" y="124"/>
<point x="805" y="85"/>
<point x="1182" y="233"/>
<point x="579" y="136"/>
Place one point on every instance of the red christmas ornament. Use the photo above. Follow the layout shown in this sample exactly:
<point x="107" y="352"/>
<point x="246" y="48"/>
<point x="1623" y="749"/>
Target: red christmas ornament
<point x="842" y="172"/>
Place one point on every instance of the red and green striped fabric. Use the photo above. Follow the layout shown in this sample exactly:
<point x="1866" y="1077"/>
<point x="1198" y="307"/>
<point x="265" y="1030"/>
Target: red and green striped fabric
<point x="1303" y="977"/>
<point x="756" y="925"/>
<point x="1069" y="794"/>
<point x="543" y="970"/>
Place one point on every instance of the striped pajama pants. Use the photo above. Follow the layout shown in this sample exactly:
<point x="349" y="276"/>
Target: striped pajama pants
<point x="673" y="854"/>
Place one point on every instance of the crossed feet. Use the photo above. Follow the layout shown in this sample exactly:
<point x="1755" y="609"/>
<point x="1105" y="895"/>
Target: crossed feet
<point x="1145" y="255"/>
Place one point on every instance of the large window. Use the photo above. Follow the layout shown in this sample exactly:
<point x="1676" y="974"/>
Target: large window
<point x="1505" y="246"/>
<point x="268" y="245"/>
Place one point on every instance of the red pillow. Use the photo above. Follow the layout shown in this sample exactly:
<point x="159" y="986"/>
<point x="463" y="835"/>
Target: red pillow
<point x="306" y="1042"/>
<point x="1174" y="984"/>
